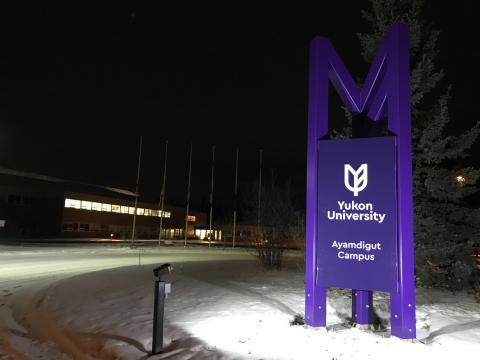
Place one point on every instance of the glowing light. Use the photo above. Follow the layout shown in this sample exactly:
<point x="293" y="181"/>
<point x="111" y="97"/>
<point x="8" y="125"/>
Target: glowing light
<point x="71" y="203"/>
<point x="96" y="206"/>
<point x="86" y="205"/>
<point x="460" y="180"/>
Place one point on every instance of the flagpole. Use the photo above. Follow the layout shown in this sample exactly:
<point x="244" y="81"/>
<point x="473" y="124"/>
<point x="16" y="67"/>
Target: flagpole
<point x="162" y="193"/>
<point x="235" y="200"/>
<point x="260" y="159"/>
<point x="136" y="191"/>
<point x="188" y="193"/>
<point x="211" y="197"/>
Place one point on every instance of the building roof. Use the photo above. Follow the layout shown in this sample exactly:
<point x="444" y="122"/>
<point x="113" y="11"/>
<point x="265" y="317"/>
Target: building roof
<point x="28" y="180"/>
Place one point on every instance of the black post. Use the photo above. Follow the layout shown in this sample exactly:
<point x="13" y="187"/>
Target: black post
<point x="161" y="291"/>
<point x="158" y="311"/>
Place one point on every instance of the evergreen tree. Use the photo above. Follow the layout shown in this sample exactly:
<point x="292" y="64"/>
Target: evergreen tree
<point x="445" y="226"/>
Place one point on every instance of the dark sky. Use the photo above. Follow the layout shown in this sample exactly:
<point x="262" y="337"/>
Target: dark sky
<point x="80" y="82"/>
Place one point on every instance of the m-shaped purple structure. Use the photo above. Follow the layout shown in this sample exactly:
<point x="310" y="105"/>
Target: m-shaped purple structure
<point x="385" y="93"/>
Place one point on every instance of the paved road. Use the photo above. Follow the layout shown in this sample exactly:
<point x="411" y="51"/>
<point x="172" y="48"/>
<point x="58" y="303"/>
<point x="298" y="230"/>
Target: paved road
<point x="30" y="262"/>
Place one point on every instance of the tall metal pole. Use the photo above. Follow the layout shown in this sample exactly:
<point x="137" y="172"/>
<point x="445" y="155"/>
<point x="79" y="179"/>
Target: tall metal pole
<point x="162" y="193"/>
<point x="188" y="193"/>
<point x="211" y="197"/>
<point x="235" y="201"/>
<point x="136" y="191"/>
<point x="260" y="158"/>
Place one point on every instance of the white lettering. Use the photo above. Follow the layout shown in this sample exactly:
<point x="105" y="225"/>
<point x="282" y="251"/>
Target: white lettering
<point x="353" y="256"/>
<point x="351" y="211"/>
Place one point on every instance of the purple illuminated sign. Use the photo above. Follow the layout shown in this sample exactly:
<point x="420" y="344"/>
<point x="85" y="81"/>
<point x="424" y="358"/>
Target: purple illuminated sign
<point x="357" y="214"/>
<point x="385" y="93"/>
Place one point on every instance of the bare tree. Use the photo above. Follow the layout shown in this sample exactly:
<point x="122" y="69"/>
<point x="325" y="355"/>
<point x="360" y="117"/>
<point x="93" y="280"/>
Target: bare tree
<point x="277" y="217"/>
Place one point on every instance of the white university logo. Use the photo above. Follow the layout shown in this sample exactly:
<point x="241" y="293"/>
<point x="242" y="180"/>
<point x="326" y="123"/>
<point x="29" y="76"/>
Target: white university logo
<point x="360" y="178"/>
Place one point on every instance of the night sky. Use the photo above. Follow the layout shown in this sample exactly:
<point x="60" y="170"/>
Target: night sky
<point x="80" y="82"/>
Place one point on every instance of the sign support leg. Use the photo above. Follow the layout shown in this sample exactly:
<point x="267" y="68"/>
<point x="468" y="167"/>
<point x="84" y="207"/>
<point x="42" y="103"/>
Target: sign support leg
<point x="403" y="301"/>
<point x="362" y="304"/>
<point x="315" y="296"/>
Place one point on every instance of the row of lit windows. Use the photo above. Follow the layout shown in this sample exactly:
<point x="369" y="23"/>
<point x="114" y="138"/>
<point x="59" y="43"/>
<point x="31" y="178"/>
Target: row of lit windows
<point x="120" y="209"/>
<point x="205" y="234"/>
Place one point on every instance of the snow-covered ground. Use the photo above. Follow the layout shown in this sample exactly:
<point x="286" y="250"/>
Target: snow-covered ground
<point x="222" y="306"/>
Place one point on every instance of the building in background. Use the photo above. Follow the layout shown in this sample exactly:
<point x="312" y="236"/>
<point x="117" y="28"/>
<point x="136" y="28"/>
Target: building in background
<point x="33" y="205"/>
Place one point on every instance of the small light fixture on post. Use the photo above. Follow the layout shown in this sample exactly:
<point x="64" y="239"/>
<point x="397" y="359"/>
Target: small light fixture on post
<point x="162" y="289"/>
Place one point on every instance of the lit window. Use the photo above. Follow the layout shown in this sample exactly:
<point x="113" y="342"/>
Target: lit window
<point x="191" y="218"/>
<point x="86" y="205"/>
<point x="71" y="203"/>
<point x="166" y="214"/>
<point x="122" y="209"/>
<point x="96" y="206"/>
